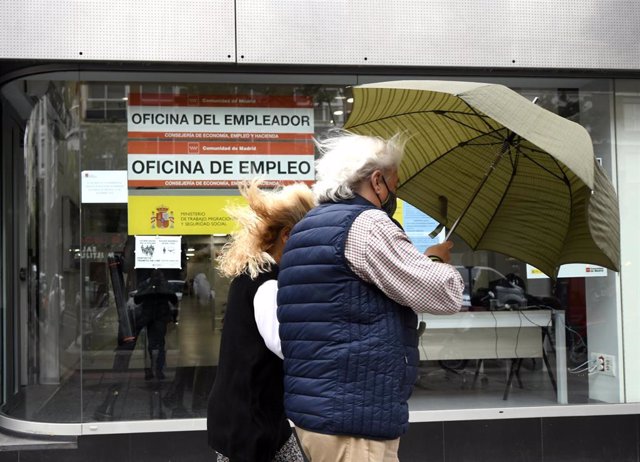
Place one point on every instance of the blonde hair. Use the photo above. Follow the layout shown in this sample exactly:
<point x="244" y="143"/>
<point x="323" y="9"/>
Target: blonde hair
<point x="260" y="223"/>
<point x="347" y="159"/>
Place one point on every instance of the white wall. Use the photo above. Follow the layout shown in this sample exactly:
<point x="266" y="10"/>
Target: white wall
<point x="604" y="329"/>
<point x="628" y="146"/>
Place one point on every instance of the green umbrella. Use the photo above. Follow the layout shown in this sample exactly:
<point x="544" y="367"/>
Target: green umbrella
<point x="500" y="171"/>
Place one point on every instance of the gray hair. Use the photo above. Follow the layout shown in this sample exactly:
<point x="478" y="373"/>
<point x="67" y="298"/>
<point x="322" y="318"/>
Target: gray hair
<point x="347" y="159"/>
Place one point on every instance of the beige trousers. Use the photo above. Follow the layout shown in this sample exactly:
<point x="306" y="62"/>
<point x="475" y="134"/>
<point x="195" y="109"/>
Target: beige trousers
<point x="319" y="447"/>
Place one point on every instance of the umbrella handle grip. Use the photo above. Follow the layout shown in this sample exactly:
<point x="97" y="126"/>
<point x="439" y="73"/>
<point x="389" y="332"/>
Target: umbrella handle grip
<point x="436" y="231"/>
<point x="444" y="206"/>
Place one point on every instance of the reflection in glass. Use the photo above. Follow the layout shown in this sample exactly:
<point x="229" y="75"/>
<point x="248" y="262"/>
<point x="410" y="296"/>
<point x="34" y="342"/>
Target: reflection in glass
<point x="51" y="347"/>
<point x="91" y="354"/>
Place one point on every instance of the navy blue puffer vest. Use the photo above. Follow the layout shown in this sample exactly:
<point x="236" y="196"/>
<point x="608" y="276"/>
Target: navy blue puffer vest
<point x="350" y="351"/>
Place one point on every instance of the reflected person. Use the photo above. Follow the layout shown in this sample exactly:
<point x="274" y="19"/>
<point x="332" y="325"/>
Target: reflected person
<point x="350" y="285"/>
<point x="245" y="419"/>
<point x="131" y="321"/>
<point x="157" y="301"/>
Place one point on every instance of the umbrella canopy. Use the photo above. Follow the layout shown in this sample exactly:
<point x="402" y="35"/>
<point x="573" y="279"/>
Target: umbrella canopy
<point x="515" y="178"/>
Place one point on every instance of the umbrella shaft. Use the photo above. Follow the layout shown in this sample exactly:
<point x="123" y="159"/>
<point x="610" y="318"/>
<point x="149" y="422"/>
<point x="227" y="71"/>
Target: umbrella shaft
<point x="492" y="167"/>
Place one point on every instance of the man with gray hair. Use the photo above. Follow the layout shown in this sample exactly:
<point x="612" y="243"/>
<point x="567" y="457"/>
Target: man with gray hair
<point x="350" y="285"/>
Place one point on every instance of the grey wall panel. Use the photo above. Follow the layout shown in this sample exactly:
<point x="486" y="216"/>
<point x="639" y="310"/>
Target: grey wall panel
<point x="142" y="30"/>
<point x="572" y="34"/>
<point x="579" y="34"/>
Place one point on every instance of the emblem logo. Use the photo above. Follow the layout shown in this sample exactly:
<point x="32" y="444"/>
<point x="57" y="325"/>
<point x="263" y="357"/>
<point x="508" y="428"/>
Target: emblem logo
<point x="162" y="218"/>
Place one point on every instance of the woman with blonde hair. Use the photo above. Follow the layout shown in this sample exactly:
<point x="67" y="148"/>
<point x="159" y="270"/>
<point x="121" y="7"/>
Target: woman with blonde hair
<point x="245" y="418"/>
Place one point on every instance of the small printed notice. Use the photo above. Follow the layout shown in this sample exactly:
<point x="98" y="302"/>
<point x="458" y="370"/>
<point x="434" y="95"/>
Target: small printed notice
<point x="158" y="252"/>
<point x="573" y="270"/>
<point x="418" y="225"/>
<point x="104" y="186"/>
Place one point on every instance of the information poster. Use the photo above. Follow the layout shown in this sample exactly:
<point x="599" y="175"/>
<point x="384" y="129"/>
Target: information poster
<point x="158" y="252"/>
<point x="418" y="225"/>
<point x="166" y="215"/>
<point x="104" y="186"/>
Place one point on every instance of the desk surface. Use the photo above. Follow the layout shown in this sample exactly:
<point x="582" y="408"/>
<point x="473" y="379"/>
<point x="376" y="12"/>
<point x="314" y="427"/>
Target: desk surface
<point x="495" y="334"/>
<point x="484" y="334"/>
<point x="479" y="319"/>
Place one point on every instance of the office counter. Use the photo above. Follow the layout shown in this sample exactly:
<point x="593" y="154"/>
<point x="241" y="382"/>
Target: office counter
<point x="496" y="335"/>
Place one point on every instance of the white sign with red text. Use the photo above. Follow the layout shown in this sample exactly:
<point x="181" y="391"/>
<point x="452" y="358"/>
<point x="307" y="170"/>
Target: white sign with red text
<point x="203" y="141"/>
<point x="209" y="164"/>
<point x="573" y="270"/>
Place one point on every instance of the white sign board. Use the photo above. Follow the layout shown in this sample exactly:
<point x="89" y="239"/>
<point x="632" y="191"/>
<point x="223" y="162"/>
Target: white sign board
<point x="574" y="270"/>
<point x="158" y="252"/>
<point x="104" y="186"/>
<point x="244" y="119"/>
<point x="204" y="170"/>
<point x="211" y="141"/>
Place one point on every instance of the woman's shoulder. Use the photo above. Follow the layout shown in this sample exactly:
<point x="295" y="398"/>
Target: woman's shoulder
<point x="245" y="278"/>
<point x="271" y="273"/>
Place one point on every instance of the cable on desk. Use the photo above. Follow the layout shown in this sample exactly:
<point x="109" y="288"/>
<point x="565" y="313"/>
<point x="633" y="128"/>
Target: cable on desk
<point x="535" y="323"/>
<point x="515" y="350"/>
<point x="495" y="328"/>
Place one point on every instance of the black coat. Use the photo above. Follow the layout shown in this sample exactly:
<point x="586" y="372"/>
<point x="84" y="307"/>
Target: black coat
<point x="245" y="419"/>
<point x="156" y="298"/>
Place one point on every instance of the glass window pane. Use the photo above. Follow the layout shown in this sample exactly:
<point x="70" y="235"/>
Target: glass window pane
<point x="159" y="361"/>
<point x="116" y="91"/>
<point x="524" y="339"/>
<point x="520" y="340"/>
<point x="97" y="91"/>
<point x="49" y="383"/>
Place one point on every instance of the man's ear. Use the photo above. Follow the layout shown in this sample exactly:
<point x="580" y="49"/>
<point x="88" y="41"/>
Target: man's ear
<point x="375" y="180"/>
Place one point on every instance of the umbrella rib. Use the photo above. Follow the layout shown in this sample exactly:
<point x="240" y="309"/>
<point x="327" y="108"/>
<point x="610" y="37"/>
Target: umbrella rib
<point x="515" y="158"/>
<point x="479" y="115"/>
<point x="393" y="116"/>
<point x="562" y="177"/>
<point x="482" y="118"/>
<point x="564" y="174"/>
<point x="466" y="143"/>
<point x="568" y="183"/>
<point x="471" y="127"/>
<point x="539" y="151"/>
<point x="440" y="113"/>
<point x="485" y="144"/>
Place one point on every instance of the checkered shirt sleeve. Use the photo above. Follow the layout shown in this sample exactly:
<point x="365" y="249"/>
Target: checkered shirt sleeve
<point x="380" y="253"/>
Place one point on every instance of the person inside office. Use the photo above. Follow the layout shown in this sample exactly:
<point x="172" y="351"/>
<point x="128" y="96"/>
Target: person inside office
<point x="350" y="285"/>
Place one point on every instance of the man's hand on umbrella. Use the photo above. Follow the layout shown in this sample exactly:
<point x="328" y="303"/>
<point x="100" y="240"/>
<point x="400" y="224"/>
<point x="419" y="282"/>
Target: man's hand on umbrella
<point x="440" y="252"/>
